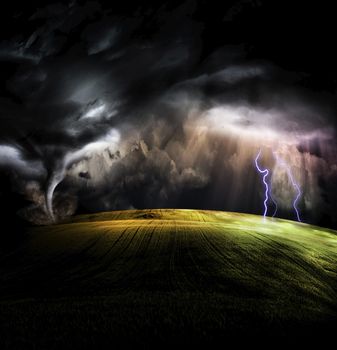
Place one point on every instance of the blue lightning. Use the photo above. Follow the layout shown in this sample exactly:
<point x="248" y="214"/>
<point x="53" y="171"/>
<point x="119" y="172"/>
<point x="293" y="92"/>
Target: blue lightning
<point x="293" y="182"/>
<point x="265" y="173"/>
<point x="272" y="197"/>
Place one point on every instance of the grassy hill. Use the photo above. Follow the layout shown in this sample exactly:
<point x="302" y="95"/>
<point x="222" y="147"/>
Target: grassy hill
<point x="160" y="276"/>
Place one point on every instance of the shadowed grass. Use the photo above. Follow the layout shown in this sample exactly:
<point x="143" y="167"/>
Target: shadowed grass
<point x="157" y="275"/>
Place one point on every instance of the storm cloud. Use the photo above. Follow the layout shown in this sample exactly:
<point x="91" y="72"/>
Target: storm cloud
<point x="108" y="109"/>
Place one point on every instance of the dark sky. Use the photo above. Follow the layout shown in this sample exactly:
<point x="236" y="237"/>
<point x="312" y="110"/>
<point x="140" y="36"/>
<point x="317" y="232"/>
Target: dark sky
<point x="112" y="105"/>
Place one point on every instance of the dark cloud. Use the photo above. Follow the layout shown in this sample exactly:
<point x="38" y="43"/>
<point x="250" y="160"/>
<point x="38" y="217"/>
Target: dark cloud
<point x="143" y="178"/>
<point x="118" y="106"/>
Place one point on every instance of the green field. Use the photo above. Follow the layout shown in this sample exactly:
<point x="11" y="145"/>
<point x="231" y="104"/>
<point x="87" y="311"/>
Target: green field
<point x="167" y="277"/>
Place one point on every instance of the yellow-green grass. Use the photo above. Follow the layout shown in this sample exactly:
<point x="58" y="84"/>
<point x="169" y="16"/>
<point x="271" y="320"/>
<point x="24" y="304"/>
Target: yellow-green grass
<point x="169" y="273"/>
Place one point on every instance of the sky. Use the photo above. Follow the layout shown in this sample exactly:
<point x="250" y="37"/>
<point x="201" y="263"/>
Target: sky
<point x="110" y="106"/>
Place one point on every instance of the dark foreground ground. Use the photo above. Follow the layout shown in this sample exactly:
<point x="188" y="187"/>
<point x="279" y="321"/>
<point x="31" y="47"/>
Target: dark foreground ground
<point x="167" y="278"/>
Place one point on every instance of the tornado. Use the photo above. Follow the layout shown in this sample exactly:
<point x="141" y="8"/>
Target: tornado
<point x="55" y="179"/>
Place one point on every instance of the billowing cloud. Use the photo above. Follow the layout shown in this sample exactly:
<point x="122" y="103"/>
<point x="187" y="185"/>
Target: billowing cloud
<point x="12" y="158"/>
<point x="111" y="111"/>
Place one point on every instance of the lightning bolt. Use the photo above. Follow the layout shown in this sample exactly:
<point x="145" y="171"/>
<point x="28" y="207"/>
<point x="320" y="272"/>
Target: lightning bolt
<point x="293" y="182"/>
<point x="265" y="173"/>
<point x="272" y="197"/>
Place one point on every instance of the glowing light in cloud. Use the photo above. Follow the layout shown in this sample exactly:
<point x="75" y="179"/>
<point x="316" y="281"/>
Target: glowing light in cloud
<point x="95" y="112"/>
<point x="281" y="162"/>
<point x="252" y="123"/>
